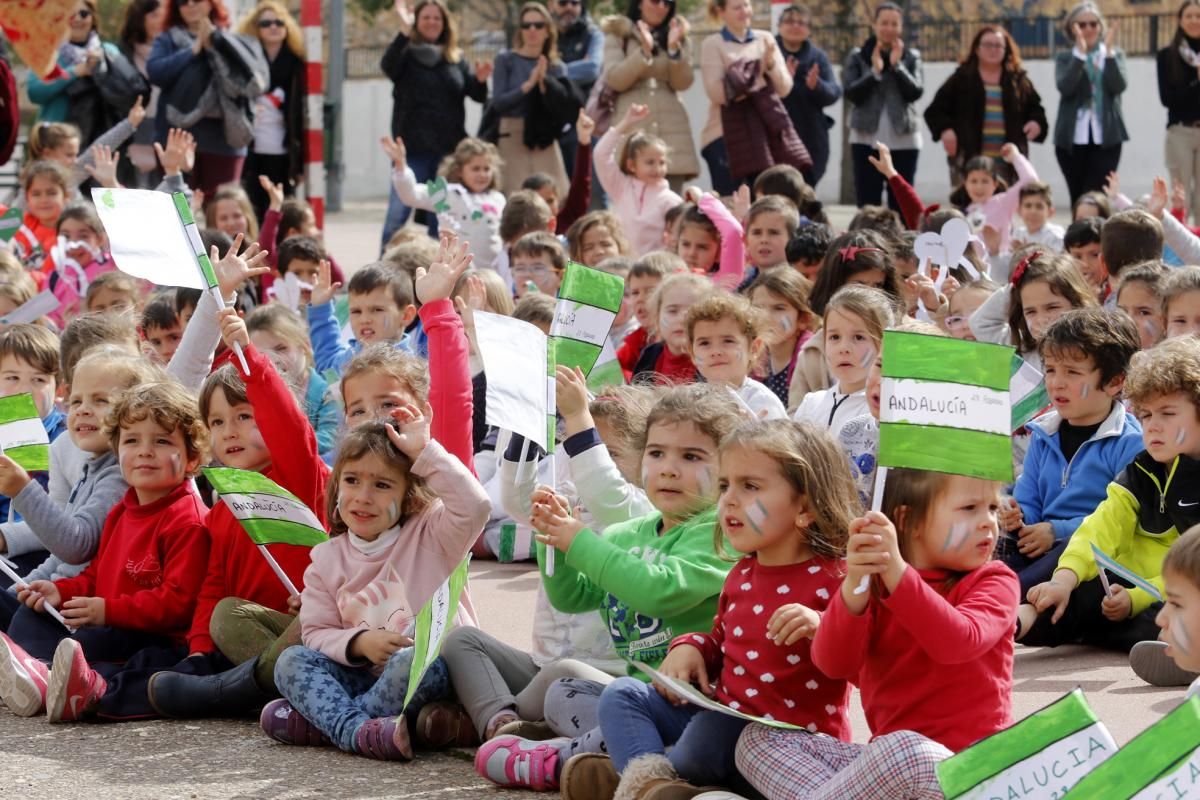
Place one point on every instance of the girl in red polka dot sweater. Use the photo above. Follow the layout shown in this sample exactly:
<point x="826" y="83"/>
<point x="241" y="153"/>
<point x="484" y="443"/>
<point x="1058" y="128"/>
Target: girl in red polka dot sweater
<point x="786" y="501"/>
<point x="930" y="647"/>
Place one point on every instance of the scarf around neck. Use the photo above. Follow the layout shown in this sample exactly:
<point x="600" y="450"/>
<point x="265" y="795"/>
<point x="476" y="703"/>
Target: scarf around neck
<point x="1091" y="63"/>
<point x="71" y="54"/>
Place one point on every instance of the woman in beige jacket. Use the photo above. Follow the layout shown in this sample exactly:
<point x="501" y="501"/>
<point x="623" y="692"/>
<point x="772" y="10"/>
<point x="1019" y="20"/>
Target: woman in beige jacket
<point x="648" y="61"/>
<point x="736" y="41"/>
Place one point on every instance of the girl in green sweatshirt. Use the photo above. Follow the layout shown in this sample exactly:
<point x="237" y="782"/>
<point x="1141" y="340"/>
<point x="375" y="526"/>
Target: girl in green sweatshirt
<point x="652" y="579"/>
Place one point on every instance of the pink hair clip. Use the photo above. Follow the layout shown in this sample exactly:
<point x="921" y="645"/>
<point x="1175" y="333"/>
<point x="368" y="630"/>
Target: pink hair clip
<point x="850" y="253"/>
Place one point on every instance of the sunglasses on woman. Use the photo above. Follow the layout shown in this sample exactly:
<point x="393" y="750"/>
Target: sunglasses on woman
<point x="183" y="3"/>
<point x="534" y="25"/>
<point x="263" y="24"/>
<point x="83" y="13"/>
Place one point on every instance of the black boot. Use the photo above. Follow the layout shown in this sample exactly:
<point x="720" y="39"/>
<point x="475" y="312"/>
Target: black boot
<point x="233" y="693"/>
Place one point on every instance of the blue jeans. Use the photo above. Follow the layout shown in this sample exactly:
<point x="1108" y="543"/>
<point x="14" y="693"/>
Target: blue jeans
<point x="338" y="699"/>
<point x="424" y="165"/>
<point x="717" y="158"/>
<point x="636" y="720"/>
<point x="1030" y="571"/>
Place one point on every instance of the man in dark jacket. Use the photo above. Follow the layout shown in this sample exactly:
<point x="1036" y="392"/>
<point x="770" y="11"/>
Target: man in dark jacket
<point x="581" y="46"/>
<point x="814" y="87"/>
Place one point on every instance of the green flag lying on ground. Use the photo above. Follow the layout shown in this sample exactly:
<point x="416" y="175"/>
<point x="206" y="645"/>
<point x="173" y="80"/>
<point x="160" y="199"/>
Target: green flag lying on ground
<point x="1162" y="762"/>
<point x="1042" y="756"/>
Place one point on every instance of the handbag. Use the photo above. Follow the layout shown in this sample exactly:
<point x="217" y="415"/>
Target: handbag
<point x="601" y="105"/>
<point x="120" y="84"/>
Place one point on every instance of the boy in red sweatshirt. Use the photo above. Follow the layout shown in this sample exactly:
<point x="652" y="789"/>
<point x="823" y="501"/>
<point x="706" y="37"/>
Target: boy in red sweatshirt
<point x="135" y="600"/>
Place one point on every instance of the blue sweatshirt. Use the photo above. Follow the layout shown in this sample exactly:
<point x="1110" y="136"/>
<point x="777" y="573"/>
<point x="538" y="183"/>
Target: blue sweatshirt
<point x="325" y="333"/>
<point x="1052" y="490"/>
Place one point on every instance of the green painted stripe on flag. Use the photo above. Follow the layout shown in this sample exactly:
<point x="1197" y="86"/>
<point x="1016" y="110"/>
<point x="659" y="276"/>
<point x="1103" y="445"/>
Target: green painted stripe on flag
<point x="591" y="286"/>
<point x="1014" y="744"/>
<point x="17" y="407"/>
<point x="572" y="353"/>
<point x="433" y="624"/>
<point x="281" y="531"/>
<point x="227" y="480"/>
<point x="1150" y="756"/>
<point x="1028" y="407"/>
<point x="958" y="452"/>
<point x="31" y="457"/>
<point x="508" y="541"/>
<point x="206" y="269"/>
<point x="604" y="375"/>
<point x="940" y="358"/>
<point x="183" y="207"/>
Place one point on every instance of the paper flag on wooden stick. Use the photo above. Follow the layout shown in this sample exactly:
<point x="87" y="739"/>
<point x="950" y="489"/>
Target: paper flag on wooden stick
<point x="433" y="622"/>
<point x="147" y="238"/>
<point x="514" y="360"/>
<point x="36" y="28"/>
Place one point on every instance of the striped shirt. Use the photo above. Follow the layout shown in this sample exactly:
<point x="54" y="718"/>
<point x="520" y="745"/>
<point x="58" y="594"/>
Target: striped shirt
<point x="993" y="120"/>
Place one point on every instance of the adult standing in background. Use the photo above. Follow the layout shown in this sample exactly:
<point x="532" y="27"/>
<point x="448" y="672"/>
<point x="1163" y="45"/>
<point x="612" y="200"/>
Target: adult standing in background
<point x="278" y="148"/>
<point x="210" y="78"/>
<point x="1091" y="78"/>
<point x="143" y="22"/>
<point x="648" y="61"/>
<point x="883" y="80"/>
<point x="986" y="102"/>
<point x="581" y="46"/>
<point x="814" y="86"/>
<point x="1179" y="90"/>
<point x="430" y="85"/>
<point x="535" y="101"/>
<point x="748" y="129"/>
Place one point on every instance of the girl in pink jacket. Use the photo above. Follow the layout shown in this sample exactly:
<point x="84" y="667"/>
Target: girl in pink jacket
<point x="636" y="180"/>
<point x="403" y="514"/>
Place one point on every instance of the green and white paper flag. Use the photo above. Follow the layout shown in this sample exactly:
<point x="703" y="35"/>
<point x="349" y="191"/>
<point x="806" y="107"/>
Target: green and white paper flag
<point x="23" y="438"/>
<point x="1042" y="756"/>
<point x="1162" y="762"/>
<point x="269" y="513"/>
<point x="606" y="371"/>
<point x="10" y="223"/>
<point x="945" y="406"/>
<point x="433" y="622"/>
<point x="701" y="700"/>
<point x="1028" y="390"/>
<point x="1106" y="562"/>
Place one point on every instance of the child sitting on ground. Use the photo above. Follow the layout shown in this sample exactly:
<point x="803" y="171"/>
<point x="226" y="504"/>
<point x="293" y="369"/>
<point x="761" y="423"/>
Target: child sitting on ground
<point x="723" y="342"/>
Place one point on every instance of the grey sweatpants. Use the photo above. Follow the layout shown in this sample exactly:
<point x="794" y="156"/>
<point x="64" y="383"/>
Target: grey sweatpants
<point x="490" y="677"/>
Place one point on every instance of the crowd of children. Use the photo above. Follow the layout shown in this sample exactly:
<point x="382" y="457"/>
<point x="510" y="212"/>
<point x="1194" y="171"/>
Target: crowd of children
<point x="709" y="514"/>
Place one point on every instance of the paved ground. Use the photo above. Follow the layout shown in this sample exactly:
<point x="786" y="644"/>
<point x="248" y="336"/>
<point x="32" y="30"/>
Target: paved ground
<point x="159" y="760"/>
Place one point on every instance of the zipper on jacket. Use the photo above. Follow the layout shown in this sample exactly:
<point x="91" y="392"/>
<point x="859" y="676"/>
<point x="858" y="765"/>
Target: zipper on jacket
<point x="1162" y="489"/>
<point x="1093" y="438"/>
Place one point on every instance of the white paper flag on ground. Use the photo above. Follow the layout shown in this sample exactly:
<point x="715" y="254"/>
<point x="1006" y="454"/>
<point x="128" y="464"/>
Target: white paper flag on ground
<point x="146" y="237"/>
<point x="1042" y="756"/>
<point x="433" y="621"/>
<point x="1161" y="763"/>
<point x="514" y="360"/>
<point x="701" y="700"/>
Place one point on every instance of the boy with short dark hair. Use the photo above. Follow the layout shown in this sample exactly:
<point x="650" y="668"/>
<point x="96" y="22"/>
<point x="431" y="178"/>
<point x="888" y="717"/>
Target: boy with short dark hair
<point x="381" y="308"/>
<point x="537" y="261"/>
<point x="160" y="328"/>
<point x="1129" y="237"/>
<point x="807" y="248"/>
<point x="301" y="256"/>
<point x="1035" y="208"/>
<point x="1082" y="243"/>
<point x="1079" y="446"/>
<point x="29" y="363"/>
<point x="1146" y="507"/>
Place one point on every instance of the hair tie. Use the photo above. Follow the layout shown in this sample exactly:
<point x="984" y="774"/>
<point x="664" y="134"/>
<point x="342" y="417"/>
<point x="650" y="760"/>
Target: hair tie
<point x="850" y="253"/>
<point x="1023" y="265"/>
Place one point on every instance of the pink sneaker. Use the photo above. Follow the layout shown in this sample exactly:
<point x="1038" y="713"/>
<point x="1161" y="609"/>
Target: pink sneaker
<point x="385" y="738"/>
<point x="285" y="724"/>
<point x="23" y="679"/>
<point x="75" y="688"/>
<point x="511" y="761"/>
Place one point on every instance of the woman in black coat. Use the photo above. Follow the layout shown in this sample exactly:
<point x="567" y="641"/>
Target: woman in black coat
<point x="430" y="84"/>
<point x="1179" y="90"/>
<point x="960" y="115"/>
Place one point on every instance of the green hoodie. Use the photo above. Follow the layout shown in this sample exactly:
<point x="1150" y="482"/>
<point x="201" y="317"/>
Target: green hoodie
<point x="649" y="587"/>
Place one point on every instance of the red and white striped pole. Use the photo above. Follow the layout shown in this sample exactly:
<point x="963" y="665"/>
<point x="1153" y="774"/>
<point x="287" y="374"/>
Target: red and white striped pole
<point x="314" y="138"/>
